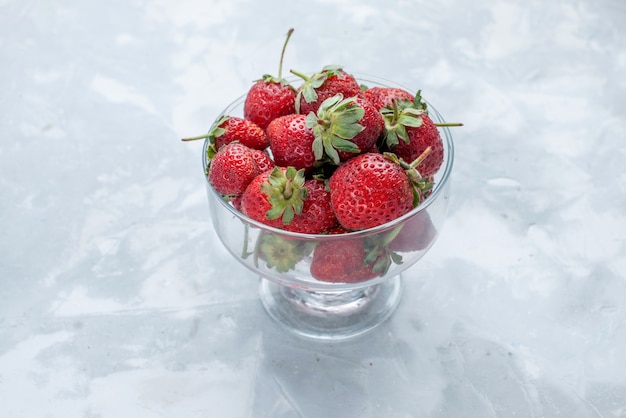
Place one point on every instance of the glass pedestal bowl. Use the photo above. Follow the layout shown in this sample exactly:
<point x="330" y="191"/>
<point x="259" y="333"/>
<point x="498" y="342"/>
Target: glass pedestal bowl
<point x="334" y="307"/>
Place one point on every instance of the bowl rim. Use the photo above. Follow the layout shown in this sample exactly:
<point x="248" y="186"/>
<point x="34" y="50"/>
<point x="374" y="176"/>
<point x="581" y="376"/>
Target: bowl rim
<point x="436" y="191"/>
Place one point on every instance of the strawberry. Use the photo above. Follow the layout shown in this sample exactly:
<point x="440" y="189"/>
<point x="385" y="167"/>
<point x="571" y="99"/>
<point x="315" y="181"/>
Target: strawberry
<point x="322" y="85"/>
<point x="415" y="137"/>
<point x="236" y="129"/>
<point x="270" y="97"/>
<point x="234" y="166"/>
<point x="291" y="142"/>
<point x="416" y="234"/>
<point x="283" y="199"/>
<point x="382" y="97"/>
<point x="236" y="201"/>
<point x="262" y="160"/>
<point x="409" y="131"/>
<point x="228" y="129"/>
<point x="341" y="261"/>
<point x="370" y="190"/>
<point x="353" y="259"/>
<point x="344" y="128"/>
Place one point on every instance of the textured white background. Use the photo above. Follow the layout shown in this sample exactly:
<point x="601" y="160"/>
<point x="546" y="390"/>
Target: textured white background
<point x="117" y="300"/>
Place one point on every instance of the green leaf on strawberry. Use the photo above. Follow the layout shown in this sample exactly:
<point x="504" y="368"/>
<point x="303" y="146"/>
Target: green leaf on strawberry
<point x="332" y="69"/>
<point x="332" y="79"/>
<point x="309" y="87"/>
<point x="335" y="123"/>
<point x="378" y="254"/>
<point x="216" y="131"/>
<point x="419" y="103"/>
<point x="286" y="193"/>
<point x="398" y="117"/>
<point x="280" y="253"/>
<point x="311" y="84"/>
<point x="410" y="117"/>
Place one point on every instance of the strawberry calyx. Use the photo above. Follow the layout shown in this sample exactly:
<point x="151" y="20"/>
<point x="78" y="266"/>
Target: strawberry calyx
<point x="336" y="122"/>
<point x="268" y="78"/>
<point x="378" y="255"/>
<point x="280" y="253"/>
<point x="313" y="82"/>
<point x="398" y="117"/>
<point x="403" y="114"/>
<point x="286" y="193"/>
<point x="420" y="185"/>
<point x="419" y="103"/>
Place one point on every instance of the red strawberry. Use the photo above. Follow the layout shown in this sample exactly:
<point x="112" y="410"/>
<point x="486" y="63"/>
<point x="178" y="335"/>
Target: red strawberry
<point x="409" y="131"/>
<point x="291" y="142"/>
<point x="236" y="202"/>
<point x="416" y="234"/>
<point x="233" y="167"/>
<point x="413" y="142"/>
<point x="244" y="131"/>
<point x="262" y="160"/>
<point x="344" y="128"/>
<point x="270" y="97"/>
<point x="341" y="261"/>
<point x="228" y="129"/>
<point x="382" y="97"/>
<point x="283" y="199"/>
<point x="370" y="190"/>
<point x="353" y="259"/>
<point x="320" y="86"/>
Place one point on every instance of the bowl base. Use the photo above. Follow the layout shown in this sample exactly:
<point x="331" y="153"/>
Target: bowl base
<point x="331" y="315"/>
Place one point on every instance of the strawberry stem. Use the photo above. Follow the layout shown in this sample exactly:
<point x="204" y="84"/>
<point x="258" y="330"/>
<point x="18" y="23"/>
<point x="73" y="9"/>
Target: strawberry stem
<point x="421" y="158"/>
<point x="288" y="189"/>
<point x="193" y="138"/>
<point x="300" y="74"/>
<point x="215" y="131"/>
<point x="282" y="54"/>
<point x="448" y="124"/>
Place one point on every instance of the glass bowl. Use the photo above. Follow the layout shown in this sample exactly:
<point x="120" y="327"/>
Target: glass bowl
<point x="332" y="308"/>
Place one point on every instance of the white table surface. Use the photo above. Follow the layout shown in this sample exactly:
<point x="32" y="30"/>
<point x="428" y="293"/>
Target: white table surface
<point x="117" y="299"/>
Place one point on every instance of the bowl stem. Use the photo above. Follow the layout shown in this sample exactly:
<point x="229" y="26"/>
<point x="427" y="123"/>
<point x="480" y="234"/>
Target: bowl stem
<point x="331" y="315"/>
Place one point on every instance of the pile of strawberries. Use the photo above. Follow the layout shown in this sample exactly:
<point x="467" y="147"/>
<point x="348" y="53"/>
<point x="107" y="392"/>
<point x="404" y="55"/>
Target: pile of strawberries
<point x="330" y="156"/>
